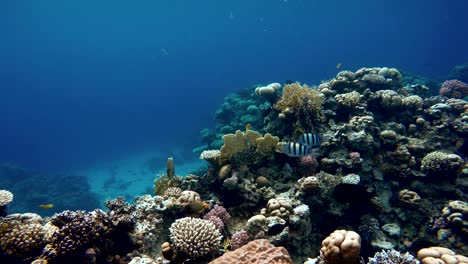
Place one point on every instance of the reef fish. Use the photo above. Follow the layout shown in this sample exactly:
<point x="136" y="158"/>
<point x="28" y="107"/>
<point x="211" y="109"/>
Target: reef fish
<point x="310" y="139"/>
<point x="295" y="149"/>
<point x="46" y="206"/>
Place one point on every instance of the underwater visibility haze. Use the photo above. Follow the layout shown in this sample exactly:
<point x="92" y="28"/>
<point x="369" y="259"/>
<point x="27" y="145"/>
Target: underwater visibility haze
<point x="153" y="115"/>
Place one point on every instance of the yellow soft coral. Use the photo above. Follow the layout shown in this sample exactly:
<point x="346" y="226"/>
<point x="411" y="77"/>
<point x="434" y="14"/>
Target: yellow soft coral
<point x="296" y="97"/>
<point x="239" y="142"/>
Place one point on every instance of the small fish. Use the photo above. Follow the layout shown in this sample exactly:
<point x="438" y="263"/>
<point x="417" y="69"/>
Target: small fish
<point x="338" y="66"/>
<point x="294" y="149"/>
<point x="310" y="139"/>
<point x="247" y="127"/>
<point x="195" y="208"/>
<point x="46" y="206"/>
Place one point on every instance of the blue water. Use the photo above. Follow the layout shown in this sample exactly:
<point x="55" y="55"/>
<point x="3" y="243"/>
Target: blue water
<point x="84" y="81"/>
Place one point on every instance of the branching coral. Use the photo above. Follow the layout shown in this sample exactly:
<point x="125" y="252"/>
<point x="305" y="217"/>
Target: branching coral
<point x="295" y="97"/>
<point x="195" y="237"/>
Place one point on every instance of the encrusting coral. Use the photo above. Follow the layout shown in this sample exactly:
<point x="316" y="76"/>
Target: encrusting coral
<point x="256" y="252"/>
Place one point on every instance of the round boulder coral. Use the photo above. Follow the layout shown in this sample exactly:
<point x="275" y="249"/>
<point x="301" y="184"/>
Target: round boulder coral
<point x="341" y="247"/>
<point x="195" y="237"/>
<point x="5" y="197"/>
<point x="439" y="162"/>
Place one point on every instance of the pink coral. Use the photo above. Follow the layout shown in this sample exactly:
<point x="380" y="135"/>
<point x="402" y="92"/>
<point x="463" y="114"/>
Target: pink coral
<point x="216" y="221"/>
<point x="354" y="155"/>
<point x="454" y="89"/>
<point x="220" y="212"/>
<point x="239" y="239"/>
<point x="307" y="165"/>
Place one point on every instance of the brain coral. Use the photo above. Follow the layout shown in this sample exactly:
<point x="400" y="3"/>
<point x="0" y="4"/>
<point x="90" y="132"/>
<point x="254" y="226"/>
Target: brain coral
<point x="439" y="162"/>
<point x="341" y="247"/>
<point x="195" y="237"/>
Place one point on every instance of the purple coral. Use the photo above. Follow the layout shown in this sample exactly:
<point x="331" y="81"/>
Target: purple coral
<point x="218" y="216"/>
<point x="392" y="257"/>
<point x="307" y="165"/>
<point x="220" y="212"/>
<point x="454" y="89"/>
<point x="239" y="239"/>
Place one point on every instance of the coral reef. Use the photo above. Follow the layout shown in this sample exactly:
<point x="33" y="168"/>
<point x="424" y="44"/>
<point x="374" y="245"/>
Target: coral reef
<point x="255" y="252"/>
<point x="391" y="165"/>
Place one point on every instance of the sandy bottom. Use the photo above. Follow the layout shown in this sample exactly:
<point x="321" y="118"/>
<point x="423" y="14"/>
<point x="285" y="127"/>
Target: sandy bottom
<point x="133" y="175"/>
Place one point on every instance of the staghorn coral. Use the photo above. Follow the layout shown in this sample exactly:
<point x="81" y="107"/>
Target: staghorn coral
<point x="255" y="252"/>
<point x="195" y="237"/>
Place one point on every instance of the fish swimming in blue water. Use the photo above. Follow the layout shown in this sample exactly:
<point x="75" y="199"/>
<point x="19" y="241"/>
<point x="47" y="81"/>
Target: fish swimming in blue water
<point x="295" y="149"/>
<point x="310" y="139"/>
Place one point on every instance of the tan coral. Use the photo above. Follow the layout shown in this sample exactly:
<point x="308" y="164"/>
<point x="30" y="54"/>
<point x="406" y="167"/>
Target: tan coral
<point x="172" y="192"/>
<point x="233" y="143"/>
<point x="341" y="247"/>
<point x="440" y="255"/>
<point x="255" y="252"/>
<point x="280" y="207"/>
<point x="310" y="184"/>
<point x="267" y="143"/>
<point x="409" y="197"/>
<point x="456" y="214"/>
<point x="251" y="136"/>
<point x="188" y="197"/>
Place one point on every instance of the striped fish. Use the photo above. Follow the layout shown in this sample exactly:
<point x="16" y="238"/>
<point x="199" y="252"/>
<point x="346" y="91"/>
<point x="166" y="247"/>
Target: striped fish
<point x="310" y="139"/>
<point x="294" y="149"/>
